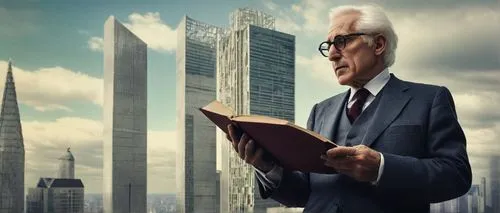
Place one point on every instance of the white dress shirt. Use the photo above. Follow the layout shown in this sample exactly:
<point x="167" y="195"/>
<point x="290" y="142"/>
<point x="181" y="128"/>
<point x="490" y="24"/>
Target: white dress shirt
<point x="374" y="86"/>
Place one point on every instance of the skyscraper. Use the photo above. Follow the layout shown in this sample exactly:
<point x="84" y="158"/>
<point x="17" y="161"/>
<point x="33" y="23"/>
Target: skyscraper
<point x="255" y="75"/>
<point x="196" y="148"/>
<point x="11" y="150"/>
<point x="125" y="120"/>
<point x="67" y="165"/>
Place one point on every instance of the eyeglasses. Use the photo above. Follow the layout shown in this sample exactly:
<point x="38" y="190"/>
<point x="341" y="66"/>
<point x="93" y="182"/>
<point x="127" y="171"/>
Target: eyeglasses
<point x="338" y="42"/>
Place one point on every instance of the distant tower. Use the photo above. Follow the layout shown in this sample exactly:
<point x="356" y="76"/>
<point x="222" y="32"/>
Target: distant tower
<point x="11" y="150"/>
<point x="124" y="120"/>
<point x="67" y="166"/>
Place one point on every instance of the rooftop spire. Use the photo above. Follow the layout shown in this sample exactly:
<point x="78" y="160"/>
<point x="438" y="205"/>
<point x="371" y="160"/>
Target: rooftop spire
<point x="10" y="121"/>
<point x="10" y="65"/>
<point x="11" y="148"/>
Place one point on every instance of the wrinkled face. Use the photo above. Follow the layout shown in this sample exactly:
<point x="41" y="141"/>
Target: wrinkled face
<point x="353" y="65"/>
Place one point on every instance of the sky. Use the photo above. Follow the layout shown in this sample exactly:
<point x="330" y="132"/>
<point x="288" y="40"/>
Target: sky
<point x="56" y="48"/>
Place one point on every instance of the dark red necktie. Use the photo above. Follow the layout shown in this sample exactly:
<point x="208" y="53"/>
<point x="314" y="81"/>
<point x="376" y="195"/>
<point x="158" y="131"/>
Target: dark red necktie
<point x="356" y="109"/>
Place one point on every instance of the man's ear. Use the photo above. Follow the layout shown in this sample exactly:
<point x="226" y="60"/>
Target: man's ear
<point x="379" y="43"/>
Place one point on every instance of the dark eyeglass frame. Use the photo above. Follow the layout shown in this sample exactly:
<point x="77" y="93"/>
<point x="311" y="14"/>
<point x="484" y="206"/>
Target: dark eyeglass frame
<point x="339" y="42"/>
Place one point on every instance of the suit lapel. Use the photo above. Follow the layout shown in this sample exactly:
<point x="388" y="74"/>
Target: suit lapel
<point x="332" y="116"/>
<point x="393" y="100"/>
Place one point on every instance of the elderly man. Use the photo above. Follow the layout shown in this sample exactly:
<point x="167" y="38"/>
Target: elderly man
<point x="400" y="144"/>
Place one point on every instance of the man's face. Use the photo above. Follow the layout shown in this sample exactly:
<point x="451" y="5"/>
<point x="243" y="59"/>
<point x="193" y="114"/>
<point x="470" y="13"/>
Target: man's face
<point x="353" y="64"/>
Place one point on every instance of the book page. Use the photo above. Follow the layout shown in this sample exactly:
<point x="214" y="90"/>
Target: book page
<point x="218" y="108"/>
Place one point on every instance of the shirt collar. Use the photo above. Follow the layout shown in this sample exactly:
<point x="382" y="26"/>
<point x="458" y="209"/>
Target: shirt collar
<point x="375" y="84"/>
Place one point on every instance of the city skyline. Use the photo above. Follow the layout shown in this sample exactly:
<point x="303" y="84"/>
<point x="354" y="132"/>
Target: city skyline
<point x="59" y="78"/>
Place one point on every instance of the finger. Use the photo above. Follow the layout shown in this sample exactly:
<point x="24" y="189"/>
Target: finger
<point x="231" y="130"/>
<point x="346" y="159"/>
<point x="337" y="167"/>
<point x="341" y="151"/>
<point x="346" y="162"/>
<point x="343" y="166"/>
<point x="249" y="151"/>
<point x="259" y="154"/>
<point x="241" y="145"/>
<point x="228" y="137"/>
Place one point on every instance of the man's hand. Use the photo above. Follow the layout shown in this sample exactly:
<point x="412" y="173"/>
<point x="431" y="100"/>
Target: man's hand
<point x="248" y="150"/>
<point x="358" y="162"/>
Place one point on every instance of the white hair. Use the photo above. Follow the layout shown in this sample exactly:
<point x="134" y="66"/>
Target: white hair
<point x="372" y="19"/>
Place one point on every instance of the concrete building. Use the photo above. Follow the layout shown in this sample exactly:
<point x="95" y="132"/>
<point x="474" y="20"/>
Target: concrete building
<point x="124" y="120"/>
<point x="67" y="165"/>
<point x="56" y="195"/>
<point x="11" y="150"/>
<point x="196" y="145"/>
<point x="255" y="75"/>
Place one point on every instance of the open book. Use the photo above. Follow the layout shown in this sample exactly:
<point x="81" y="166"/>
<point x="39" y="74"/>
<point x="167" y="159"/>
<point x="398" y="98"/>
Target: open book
<point x="292" y="146"/>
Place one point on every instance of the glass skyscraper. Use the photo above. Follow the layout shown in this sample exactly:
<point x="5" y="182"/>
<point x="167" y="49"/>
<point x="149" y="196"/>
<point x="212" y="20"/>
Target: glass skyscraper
<point x="11" y="150"/>
<point x="125" y="120"/>
<point x="255" y="75"/>
<point x="196" y="145"/>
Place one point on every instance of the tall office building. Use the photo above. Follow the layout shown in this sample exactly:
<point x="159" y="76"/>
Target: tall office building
<point x="255" y="75"/>
<point x="125" y="120"/>
<point x="196" y="148"/>
<point x="11" y="150"/>
<point x="67" y="165"/>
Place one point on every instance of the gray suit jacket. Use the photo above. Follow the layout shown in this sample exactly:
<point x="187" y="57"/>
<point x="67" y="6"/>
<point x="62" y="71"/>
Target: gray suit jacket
<point x="424" y="148"/>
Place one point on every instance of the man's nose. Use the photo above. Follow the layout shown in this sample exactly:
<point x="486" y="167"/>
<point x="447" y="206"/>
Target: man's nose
<point x="334" y="54"/>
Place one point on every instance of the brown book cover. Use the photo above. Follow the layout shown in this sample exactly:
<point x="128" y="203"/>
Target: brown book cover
<point x="292" y="146"/>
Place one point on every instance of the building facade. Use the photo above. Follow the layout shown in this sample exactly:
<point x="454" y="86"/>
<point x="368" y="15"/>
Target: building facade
<point x="196" y="145"/>
<point x="56" y="195"/>
<point x="11" y="150"/>
<point x="125" y="120"/>
<point x="255" y="75"/>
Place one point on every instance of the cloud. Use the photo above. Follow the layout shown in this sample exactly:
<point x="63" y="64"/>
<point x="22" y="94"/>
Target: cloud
<point x="150" y="28"/>
<point x="318" y="67"/>
<point x="46" y="141"/>
<point x="431" y="4"/>
<point x="96" y="44"/>
<point x="53" y="88"/>
<point x="454" y="40"/>
<point x="307" y="16"/>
